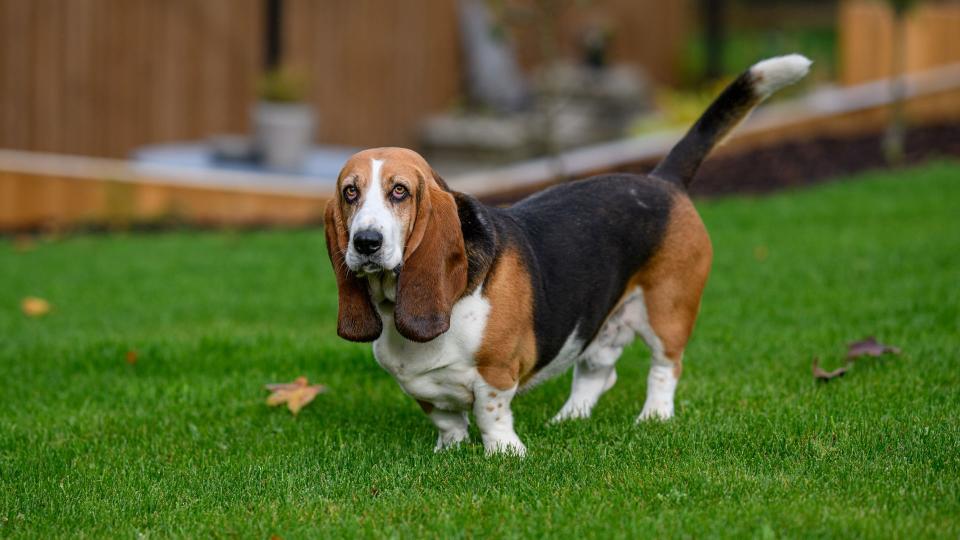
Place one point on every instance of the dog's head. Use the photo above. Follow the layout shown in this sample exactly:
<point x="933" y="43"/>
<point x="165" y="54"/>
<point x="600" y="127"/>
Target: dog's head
<point x="392" y="213"/>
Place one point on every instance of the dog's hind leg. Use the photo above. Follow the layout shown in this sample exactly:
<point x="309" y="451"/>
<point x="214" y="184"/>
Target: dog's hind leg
<point x="593" y="374"/>
<point x="672" y="285"/>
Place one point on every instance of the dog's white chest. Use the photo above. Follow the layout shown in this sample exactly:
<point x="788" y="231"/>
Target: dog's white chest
<point x="442" y="371"/>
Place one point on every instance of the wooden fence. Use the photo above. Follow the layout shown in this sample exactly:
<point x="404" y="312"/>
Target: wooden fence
<point x="102" y="77"/>
<point x="375" y="67"/>
<point x="932" y="38"/>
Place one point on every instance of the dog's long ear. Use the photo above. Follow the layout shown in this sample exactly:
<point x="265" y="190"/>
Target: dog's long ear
<point x="434" y="272"/>
<point x="357" y="320"/>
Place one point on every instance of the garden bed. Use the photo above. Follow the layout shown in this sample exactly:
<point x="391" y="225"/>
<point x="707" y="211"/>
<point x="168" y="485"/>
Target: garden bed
<point x="799" y="163"/>
<point x="792" y="163"/>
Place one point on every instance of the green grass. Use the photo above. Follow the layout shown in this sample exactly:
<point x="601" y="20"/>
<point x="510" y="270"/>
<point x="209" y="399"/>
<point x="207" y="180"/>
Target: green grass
<point x="182" y="444"/>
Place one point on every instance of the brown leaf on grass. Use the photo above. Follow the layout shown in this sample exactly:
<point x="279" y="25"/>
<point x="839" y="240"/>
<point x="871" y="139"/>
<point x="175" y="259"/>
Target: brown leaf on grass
<point x="869" y="347"/>
<point x="34" y="307"/>
<point x="865" y="347"/>
<point x="822" y="375"/>
<point x="296" y="394"/>
<point x="131" y="357"/>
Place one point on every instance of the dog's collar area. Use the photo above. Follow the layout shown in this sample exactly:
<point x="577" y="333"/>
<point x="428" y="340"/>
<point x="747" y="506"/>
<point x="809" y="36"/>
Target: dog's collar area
<point x="382" y="286"/>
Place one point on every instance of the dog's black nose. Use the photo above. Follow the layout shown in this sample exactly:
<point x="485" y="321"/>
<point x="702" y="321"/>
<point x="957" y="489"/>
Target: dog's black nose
<point x="367" y="242"/>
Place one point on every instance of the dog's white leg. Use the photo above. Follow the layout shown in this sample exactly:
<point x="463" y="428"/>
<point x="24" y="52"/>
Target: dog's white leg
<point x="491" y="406"/>
<point x="593" y="375"/>
<point x="595" y="371"/>
<point x="452" y="427"/>
<point x="664" y="372"/>
<point x="661" y="386"/>
<point x="661" y="381"/>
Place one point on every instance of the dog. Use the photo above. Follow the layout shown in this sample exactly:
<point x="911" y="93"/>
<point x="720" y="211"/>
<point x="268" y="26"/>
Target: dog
<point x="467" y="304"/>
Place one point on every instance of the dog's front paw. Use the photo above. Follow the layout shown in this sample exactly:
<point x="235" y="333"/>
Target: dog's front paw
<point x="451" y="439"/>
<point x="656" y="410"/>
<point x="572" y="411"/>
<point x="507" y="446"/>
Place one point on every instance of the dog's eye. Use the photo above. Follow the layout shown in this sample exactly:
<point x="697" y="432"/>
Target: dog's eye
<point x="350" y="193"/>
<point x="399" y="192"/>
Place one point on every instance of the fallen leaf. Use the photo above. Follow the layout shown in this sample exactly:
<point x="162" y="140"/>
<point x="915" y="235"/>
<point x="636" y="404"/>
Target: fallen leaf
<point x="131" y="357"/>
<point x="869" y="347"/>
<point x="34" y="307"/>
<point x="760" y="253"/>
<point x="822" y="375"/>
<point x="296" y="394"/>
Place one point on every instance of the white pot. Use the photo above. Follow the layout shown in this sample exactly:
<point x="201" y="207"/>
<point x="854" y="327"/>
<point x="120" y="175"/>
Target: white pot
<point x="282" y="134"/>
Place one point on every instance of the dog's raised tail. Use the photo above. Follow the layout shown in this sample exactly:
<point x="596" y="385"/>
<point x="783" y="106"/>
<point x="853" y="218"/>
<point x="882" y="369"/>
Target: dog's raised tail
<point x="729" y="109"/>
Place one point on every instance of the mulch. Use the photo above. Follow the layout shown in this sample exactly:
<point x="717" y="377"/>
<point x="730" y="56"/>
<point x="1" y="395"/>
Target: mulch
<point x="802" y="163"/>
<point x="799" y="163"/>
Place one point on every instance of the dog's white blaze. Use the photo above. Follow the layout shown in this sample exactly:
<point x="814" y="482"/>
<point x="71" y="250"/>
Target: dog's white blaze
<point x="375" y="215"/>
<point x="773" y="74"/>
<point x="372" y="213"/>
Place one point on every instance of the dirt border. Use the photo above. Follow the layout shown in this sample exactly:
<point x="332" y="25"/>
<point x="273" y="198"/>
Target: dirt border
<point x="792" y="163"/>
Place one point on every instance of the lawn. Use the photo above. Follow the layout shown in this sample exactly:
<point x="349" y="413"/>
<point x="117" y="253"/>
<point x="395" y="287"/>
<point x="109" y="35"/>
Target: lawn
<point x="180" y="443"/>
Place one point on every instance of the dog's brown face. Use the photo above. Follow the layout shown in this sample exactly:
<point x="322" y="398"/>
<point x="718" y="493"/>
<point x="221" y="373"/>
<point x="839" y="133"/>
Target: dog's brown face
<point x="380" y="195"/>
<point x="391" y="213"/>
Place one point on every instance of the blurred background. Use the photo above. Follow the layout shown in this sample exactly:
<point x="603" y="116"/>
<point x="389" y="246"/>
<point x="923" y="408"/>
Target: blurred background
<point x="120" y="113"/>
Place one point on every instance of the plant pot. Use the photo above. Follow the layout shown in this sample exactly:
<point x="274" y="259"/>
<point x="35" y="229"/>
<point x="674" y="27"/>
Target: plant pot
<point x="282" y="133"/>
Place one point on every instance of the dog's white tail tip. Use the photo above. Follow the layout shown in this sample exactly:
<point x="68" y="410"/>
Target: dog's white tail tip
<point x="773" y="74"/>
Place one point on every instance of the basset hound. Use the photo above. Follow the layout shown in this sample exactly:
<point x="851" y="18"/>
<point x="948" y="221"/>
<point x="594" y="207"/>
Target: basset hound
<point x="467" y="304"/>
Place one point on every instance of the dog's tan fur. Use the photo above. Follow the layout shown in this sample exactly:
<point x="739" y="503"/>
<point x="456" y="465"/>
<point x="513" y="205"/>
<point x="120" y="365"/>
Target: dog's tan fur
<point x="508" y="351"/>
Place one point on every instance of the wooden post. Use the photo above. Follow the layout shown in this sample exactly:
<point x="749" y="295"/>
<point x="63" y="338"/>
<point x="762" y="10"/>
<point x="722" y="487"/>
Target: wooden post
<point x="273" y="36"/>
<point x="713" y="27"/>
